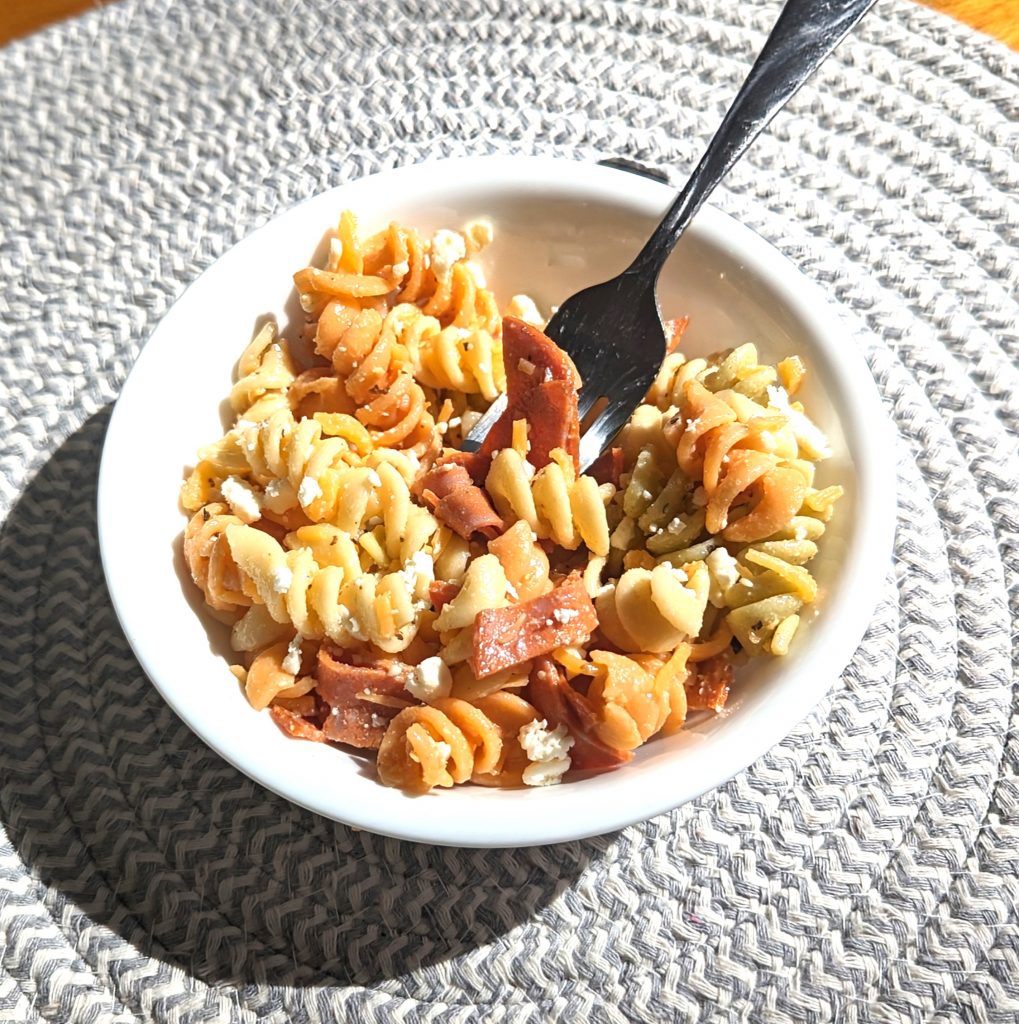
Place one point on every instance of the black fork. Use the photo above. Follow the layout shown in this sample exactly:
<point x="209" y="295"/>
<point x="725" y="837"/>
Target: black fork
<point x="613" y="331"/>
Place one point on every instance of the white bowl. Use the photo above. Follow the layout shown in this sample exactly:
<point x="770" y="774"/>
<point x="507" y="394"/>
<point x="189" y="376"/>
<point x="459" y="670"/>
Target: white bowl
<point x="559" y="226"/>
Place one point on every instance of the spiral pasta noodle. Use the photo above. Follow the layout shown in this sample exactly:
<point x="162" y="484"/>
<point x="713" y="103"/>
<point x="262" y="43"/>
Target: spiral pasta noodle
<point x="654" y="609"/>
<point x="555" y="502"/>
<point x="339" y="600"/>
<point x="438" y="745"/>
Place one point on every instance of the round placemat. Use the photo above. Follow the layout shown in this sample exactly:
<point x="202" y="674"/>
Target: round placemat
<point x="866" y="869"/>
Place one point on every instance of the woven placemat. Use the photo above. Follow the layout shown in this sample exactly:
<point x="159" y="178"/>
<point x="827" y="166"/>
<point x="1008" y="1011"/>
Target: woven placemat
<point x="864" y="870"/>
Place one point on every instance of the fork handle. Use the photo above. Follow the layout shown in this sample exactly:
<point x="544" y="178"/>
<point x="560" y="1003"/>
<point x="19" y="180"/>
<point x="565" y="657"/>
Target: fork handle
<point x="805" y="34"/>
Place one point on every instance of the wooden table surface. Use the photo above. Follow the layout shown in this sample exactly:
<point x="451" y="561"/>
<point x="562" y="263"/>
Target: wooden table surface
<point x="999" y="18"/>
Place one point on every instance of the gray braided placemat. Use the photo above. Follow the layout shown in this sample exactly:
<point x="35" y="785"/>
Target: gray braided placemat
<point x="865" y="870"/>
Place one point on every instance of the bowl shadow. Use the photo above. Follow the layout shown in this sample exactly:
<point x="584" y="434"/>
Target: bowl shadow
<point x="122" y="812"/>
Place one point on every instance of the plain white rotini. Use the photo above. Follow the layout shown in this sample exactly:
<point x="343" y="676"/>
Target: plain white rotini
<point x="554" y="501"/>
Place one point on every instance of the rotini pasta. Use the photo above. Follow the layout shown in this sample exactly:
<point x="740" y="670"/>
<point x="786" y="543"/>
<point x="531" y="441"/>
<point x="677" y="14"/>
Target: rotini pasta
<point x="555" y="502"/>
<point x="497" y="618"/>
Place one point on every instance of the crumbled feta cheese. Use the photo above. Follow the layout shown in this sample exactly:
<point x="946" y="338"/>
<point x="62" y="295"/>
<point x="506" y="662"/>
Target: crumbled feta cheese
<point x="676" y="524"/>
<point x="545" y="773"/>
<point x="512" y="591"/>
<point x="564" y="615"/>
<point x="447" y="248"/>
<point x="292" y="662"/>
<point x="443" y="749"/>
<point x="693" y="425"/>
<point x="419" y="565"/>
<point x="723" y="573"/>
<point x="543" y="744"/>
<point x="680" y="574"/>
<point x="308" y="491"/>
<point x="453" y="421"/>
<point x="282" y="578"/>
<point x="243" y="501"/>
<point x="401" y="269"/>
<point x="700" y="497"/>
<point x="431" y="679"/>
<point x="307" y="303"/>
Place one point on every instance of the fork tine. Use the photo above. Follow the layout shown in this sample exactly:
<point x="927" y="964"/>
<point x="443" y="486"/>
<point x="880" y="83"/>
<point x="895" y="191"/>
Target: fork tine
<point x="473" y="441"/>
<point x="629" y="387"/>
<point x="600" y="433"/>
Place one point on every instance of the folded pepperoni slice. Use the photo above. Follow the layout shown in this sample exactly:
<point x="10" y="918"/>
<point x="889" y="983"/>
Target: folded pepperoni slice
<point x="608" y="467"/>
<point x="559" y="704"/>
<point x="295" y="726"/>
<point x="707" y="687"/>
<point x="458" y="502"/>
<point x="354" y="717"/>
<point x="440" y="593"/>
<point x="541" y="388"/>
<point x="504" y="637"/>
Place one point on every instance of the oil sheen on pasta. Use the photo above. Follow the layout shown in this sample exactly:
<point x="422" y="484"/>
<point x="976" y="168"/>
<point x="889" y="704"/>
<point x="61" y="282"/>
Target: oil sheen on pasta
<point x="498" y="619"/>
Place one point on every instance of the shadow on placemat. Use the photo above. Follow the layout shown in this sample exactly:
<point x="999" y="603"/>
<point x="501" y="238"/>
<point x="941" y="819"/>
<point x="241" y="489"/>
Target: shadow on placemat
<point x="111" y="801"/>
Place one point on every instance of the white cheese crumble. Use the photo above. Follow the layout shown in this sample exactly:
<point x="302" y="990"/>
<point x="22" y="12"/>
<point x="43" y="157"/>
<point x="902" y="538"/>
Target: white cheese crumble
<point x="419" y="565"/>
<point x="292" y="662"/>
<point x="723" y="573"/>
<point x="564" y="615"/>
<point x="447" y="248"/>
<point x="543" y="744"/>
<point x="307" y="303"/>
<point x="282" y="578"/>
<point x="431" y="679"/>
<point x="243" y="501"/>
<point x="401" y="269"/>
<point x="545" y="773"/>
<point x="308" y="491"/>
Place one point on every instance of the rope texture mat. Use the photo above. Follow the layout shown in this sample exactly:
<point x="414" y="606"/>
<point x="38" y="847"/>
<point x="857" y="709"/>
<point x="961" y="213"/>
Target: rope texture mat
<point x="866" y="869"/>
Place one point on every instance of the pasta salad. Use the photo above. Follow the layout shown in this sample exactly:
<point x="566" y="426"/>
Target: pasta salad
<point x="497" y="617"/>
